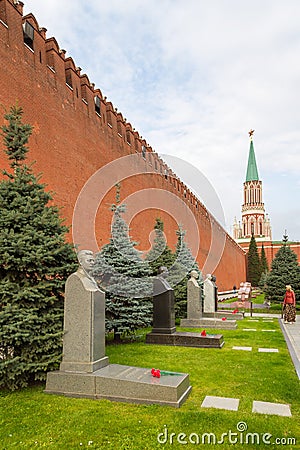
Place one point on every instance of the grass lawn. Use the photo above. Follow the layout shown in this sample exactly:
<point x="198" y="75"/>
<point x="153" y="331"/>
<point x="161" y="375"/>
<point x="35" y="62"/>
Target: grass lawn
<point x="30" y="419"/>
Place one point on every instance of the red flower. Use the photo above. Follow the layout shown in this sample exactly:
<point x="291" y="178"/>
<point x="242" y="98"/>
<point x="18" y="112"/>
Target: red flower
<point x="155" y="373"/>
<point x="224" y="318"/>
<point x="235" y="311"/>
<point x="203" y="333"/>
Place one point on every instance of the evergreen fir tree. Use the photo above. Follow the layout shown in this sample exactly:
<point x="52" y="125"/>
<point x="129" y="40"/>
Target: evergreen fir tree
<point x="160" y="254"/>
<point x="35" y="261"/>
<point x="264" y="267"/>
<point x="125" y="277"/>
<point x="179" y="273"/>
<point x="253" y="263"/>
<point x="284" y="270"/>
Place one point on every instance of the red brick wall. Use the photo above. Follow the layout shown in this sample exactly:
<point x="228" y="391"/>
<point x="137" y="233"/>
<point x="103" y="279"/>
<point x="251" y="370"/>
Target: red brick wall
<point x="271" y="248"/>
<point x="70" y="142"/>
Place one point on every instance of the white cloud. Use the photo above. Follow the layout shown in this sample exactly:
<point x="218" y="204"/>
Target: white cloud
<point x="193" y="77"/>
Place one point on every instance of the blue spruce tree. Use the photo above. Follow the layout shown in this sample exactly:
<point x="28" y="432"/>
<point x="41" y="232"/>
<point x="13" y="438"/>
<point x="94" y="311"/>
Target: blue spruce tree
<point x="125" y="277"/>
<point x="35" y="261"/>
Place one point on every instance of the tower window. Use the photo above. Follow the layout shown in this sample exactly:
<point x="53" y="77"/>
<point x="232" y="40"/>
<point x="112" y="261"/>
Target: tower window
<point x="28" y="33"/>
<point x="144" y="151"/>
<point x="98" y="105"/>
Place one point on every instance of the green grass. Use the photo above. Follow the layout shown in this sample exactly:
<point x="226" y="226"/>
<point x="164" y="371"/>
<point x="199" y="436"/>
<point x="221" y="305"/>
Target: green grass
<point x="31" y="419"/>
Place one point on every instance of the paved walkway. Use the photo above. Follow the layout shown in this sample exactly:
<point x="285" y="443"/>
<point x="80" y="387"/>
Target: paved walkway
<point x="292" y="336"/>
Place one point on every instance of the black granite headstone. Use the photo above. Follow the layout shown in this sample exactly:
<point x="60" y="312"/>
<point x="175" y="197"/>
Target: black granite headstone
<point x="164" y="313"/>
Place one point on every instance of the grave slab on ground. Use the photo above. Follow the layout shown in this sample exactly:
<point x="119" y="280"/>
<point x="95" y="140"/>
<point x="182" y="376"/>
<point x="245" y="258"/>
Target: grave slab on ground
<point x="249" y="329"/>
<point x="209" y="322"/>
<point x="122" y="383"/>
<point x="246" y="349"/>
<point x="278" y="409"/>
<point x="268" y="350"/>
<point x="186" y="339"/>
<point x="230" y="404"/>
<point x="225" y="313"/>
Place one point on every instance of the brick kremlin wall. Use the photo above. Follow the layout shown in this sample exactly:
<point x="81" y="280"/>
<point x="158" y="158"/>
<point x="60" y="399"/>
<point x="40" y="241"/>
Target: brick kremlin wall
<point x="272" y="247"/>
<point x="77" y="132"/>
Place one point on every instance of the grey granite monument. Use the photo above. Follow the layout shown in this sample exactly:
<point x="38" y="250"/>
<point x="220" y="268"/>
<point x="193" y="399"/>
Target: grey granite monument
<point x="85" y="370"/>
<point x="211" y="302"/>
<point x="195" y="317"/>
<point x="164" y="330"/>
<point x="209" y="295"/>
<point x="84" y="320"/>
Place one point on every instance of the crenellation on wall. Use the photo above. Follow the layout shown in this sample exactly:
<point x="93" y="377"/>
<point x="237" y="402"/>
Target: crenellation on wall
<point x="86" y="92"/>
<point x="19" y="5"/>
<point x="3" y="13"/>
<point x="79" y="123"/>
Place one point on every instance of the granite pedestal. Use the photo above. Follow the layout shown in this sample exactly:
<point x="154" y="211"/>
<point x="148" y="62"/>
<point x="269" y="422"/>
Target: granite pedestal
<point x="210" y="294"/>
<point x="209" y="322"/>
<point x="226" y="313"/>
<point x="122" y="383"/>
<point x="186" y="339"/>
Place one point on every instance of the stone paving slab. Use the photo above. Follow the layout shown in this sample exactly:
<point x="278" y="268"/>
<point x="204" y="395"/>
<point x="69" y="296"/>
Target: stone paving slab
<point x="247" y="349"/>
<point x="231" y="404"/>
<point x="268" y="350"/>
<point x="249" y="329"/>
<point x="270" y="331"/>
<point x="278" y="409"/>
<point x="292" y="336"/>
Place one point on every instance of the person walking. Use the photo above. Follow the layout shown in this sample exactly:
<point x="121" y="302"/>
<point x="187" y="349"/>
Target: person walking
<point x="289" y="304"/>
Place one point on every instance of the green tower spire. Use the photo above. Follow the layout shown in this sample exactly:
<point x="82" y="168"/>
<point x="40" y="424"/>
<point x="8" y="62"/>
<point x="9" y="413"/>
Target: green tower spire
<point x="252" y="173"/>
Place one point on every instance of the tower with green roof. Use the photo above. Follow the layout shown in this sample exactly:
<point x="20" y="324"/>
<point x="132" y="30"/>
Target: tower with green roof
<point x="254" y="219"/>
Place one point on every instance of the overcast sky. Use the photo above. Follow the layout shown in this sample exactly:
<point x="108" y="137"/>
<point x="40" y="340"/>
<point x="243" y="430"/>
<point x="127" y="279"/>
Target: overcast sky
<point x="193" y="77"/>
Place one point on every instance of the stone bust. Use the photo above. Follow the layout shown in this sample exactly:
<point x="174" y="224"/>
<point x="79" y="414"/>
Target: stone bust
<point x="86" y="261"/>
<point x="194" y="277"/>
<point x="160" y="284"/>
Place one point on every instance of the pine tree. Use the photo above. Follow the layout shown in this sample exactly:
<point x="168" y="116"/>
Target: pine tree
<point x="253" y="263"/>
<point x="125" y="277"/>
<point x="160" y="254"/>
<point x="284" y="270"/>
<point x="179" y="273"/>
<point x="35" y="261"/>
